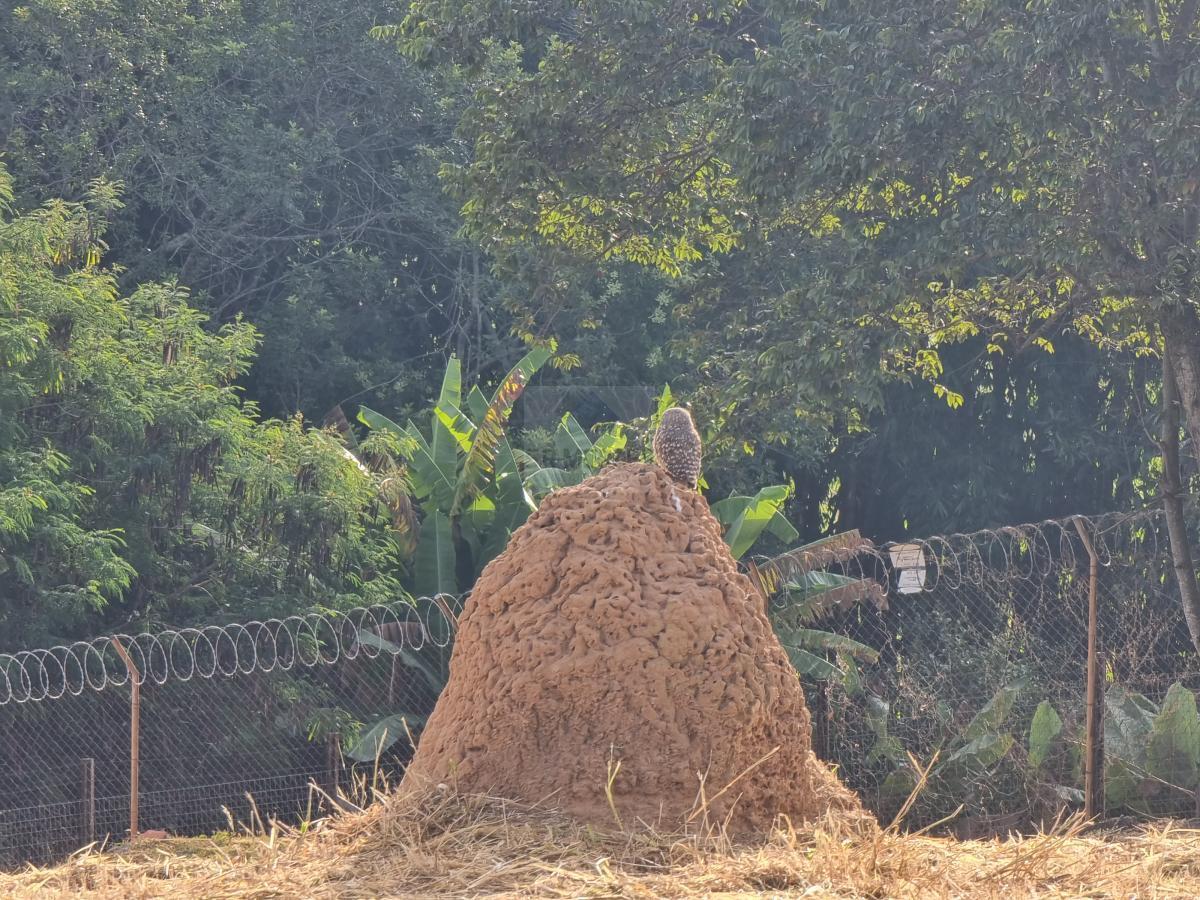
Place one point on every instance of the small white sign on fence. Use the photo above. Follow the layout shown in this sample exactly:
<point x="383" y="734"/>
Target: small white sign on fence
<point x="909" y="561"/>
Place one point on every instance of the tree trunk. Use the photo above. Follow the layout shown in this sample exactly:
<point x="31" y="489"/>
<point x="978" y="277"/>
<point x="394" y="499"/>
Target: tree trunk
<point x="1181" y="386"/>
<point x="1181" y="334"/>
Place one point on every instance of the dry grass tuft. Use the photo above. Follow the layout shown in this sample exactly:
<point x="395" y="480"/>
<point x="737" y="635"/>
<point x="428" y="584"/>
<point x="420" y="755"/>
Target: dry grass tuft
<point x="451" y="846"/>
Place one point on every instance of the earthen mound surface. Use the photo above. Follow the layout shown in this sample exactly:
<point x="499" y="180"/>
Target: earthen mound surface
<point x="615" y="627"/>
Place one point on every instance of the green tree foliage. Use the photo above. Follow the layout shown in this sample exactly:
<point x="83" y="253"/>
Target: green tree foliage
<point x="1038" y="435"/>
<point x="275" y="160"/>
<point x="279" y="162"/>
<point x="944" y="166"/>
<point x="912" y="176"/>
<point x="802" y="215"/>
<point x="134" y="482"/>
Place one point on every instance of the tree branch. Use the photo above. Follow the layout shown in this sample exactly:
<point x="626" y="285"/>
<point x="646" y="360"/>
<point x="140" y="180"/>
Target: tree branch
<point x="1054" y="322"/>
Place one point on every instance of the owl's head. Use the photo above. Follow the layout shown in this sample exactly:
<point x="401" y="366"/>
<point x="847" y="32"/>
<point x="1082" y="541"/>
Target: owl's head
<point x="677" y="416"/>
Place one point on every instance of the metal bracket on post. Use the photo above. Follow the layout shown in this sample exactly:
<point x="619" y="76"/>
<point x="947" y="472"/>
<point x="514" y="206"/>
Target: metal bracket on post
<point x="1093" y="758"/>
<point x="135" y="722"/>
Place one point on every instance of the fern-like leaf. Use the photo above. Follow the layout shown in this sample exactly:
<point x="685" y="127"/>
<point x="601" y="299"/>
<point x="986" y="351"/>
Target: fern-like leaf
<point x="770" y="575"/>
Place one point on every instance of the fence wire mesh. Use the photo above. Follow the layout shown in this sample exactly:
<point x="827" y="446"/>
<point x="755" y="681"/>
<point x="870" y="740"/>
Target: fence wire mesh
<point x="975" y="660"/>
<point x="966" y="660"/>
<point x="235" y="723"/>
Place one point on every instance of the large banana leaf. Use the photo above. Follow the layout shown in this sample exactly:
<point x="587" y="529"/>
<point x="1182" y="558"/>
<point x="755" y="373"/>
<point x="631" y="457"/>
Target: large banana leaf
<point x="995" y="712"/>
<point x="429" y="481"/>
<point x="887" y="746"/>
<point x="486" y="439"/>
<point x="748" y="517"/>
<point x="813" y="639"/>
<point x="458" y="424"/>
<point x="816" y="667"/>
<point x="604" y="448"/>
<point x="380" y="422"/>
<point x="480" y="514"/>
<point x="984" y="742"/>
<point x="382" y="735"/>
<point x="982" y="753"/>
<point x="432" y="482"/>
<point x="570" y="437"/>
<point x="1146" y="747"/>
<point x="1128" y="723"/>
<point x="475" y="524"/>
<point x="809" y="651"/>
<point x="808" y="596"/>
<point x="443" y="444"/>
<point x="513" y="502"/>
<point x="433" y="569"/>
<point x="1044" y="732"/>
<point x="476" y="404"/>
<point x="541" y="480"/>
<point x="1173" y="753"/>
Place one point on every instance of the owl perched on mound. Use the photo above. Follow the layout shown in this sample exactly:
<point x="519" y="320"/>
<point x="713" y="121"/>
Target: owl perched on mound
<point x="677" y="446"/>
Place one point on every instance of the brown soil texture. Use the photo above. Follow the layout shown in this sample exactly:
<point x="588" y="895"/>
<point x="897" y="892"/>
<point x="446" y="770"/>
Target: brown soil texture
<point x="616" y="627"/>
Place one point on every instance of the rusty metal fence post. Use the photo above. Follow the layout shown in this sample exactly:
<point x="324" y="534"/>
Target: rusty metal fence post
<point x="1093" y="760"/>
<point x="135" y="720"/>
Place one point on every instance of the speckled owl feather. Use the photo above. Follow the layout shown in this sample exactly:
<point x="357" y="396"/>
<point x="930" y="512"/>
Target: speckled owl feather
<point x="677" y="446"/>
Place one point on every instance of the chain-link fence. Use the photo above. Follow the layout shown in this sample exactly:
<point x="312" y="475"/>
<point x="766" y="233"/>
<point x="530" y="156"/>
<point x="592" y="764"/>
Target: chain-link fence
<point x="962" y="669"/>
<point x="247" y="722"/>
<point x="975" y="661"/>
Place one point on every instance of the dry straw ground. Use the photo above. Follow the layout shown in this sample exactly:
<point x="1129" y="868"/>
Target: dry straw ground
<point x="451" y="846"/>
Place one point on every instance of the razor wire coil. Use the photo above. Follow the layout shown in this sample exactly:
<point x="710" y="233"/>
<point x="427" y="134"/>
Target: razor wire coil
<point x="240" y="648"/>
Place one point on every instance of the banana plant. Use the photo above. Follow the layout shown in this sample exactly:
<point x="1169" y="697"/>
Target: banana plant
<point x="746" y="519"/>
<point x="1055" y="757"/>
<point x="794" y="590"/>
<point x="967" y="755"/>
<point x="429" y="663"/>
<point x="1152" y="752"/>
<point x="572" y="441"/>
<point x="465" y="476"/>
